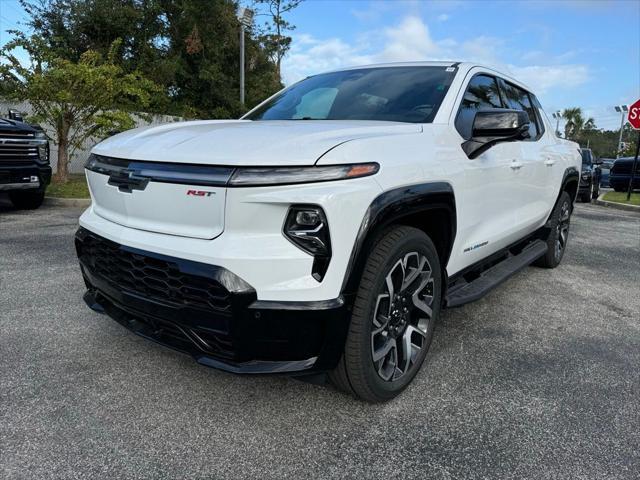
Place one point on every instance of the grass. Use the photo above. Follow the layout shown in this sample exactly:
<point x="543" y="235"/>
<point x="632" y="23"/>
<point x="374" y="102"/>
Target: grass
<point x="75" y="187"/>
<point x="621" y="197"/>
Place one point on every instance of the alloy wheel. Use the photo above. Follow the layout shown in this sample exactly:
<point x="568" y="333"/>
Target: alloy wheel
<point x="562" y="230"/>
<point x="402" y="316"/>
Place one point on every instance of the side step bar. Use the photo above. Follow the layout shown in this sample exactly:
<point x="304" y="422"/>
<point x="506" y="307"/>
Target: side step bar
<point x="494" y="276"/>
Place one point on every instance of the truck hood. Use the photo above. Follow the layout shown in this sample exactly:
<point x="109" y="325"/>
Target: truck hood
<point x="244" y="142"/>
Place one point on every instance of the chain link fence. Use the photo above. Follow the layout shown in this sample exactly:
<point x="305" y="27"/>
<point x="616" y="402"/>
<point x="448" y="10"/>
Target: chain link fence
<point x="79" y="156"/>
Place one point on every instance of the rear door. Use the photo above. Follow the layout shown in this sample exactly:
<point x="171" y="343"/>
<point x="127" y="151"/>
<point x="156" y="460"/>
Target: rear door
<point x="537" y="159"/>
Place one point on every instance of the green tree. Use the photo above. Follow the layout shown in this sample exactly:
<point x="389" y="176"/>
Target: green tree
<point x="576" y="123"/>
<point x="203" y="52"/>
<point x="273" y="32"/>
<point x="87" y="98"/>
<point x="69" y="28"/>
<point x="188" y="47"/>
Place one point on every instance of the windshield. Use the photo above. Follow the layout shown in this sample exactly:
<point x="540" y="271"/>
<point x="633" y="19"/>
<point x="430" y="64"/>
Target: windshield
<point x="396" y="94"/>
<point x="586" y="157"/>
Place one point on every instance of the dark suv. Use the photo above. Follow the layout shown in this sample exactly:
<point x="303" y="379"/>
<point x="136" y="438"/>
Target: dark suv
<point x="24" y="162"/>
<point x="590" y="176"/>
<point x="621" y="174"/>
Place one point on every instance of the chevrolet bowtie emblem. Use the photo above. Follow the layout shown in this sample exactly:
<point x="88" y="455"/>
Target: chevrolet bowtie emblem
<point x="127" y="181"/>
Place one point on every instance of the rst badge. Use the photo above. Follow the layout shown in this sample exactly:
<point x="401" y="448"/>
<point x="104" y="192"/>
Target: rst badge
<point x="199" y="193"/>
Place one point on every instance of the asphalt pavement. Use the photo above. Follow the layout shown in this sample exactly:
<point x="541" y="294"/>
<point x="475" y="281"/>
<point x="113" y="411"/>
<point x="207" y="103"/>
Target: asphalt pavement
<point x="540" y="379"/>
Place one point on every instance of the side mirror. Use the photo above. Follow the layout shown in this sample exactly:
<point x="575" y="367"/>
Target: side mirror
<point x="15" y="115"/>
<point x="495" y="126"/>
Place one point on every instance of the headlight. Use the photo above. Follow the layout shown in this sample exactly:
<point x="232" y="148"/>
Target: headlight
<point x="43" y="152"/>
<point x="586" y="176"/>
<point x="307" y="228"/>
<point x="244" y="177"/>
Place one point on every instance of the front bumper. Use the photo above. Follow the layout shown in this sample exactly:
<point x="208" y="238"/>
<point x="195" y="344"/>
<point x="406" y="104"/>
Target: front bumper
<point x="18" y="177"/>
<point x="584" y="186"/>
<point x="208" y="312"/>
<point x="622" y="181"/>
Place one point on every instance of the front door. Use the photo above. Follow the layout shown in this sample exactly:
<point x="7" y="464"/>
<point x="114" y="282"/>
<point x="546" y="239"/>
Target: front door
<point x="492" y="192"/>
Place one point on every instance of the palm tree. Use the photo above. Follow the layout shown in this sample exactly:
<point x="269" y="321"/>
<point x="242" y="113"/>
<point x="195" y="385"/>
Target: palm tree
<point x="575" y="122"/>
<point x="590" y="124"/>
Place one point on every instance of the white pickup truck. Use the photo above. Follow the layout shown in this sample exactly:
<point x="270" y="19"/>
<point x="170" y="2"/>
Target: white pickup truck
<point x="326" y="229"/>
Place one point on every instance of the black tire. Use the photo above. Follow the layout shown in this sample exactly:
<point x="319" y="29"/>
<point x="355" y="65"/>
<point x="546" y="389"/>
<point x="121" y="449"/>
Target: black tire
<point x="586" y="196"/>
<point x="408" y="252"/>
<point x="557" y="243"/>
<point x="26" y="200"/>
<point x="619" y="189"/>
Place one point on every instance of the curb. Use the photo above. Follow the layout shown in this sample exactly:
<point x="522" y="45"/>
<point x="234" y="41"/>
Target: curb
<point x="67" y="202"/>
<point x="616" y="205"/>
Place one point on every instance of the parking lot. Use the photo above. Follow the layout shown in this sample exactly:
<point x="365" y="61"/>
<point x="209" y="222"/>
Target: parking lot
<point x="540" y="379"/>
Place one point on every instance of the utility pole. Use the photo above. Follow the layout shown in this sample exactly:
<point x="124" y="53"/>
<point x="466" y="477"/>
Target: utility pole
<point x="246" y="18"/>
<point x="622" y="109"/>
<point x="557" y="115"/>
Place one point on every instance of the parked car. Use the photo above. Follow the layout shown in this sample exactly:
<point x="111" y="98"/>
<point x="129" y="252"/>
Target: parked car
<point x="326" y="229"/>
<point x="589" y="176"/>
<point x="24" y="162"/>
<point x="605" y="168"/>
<point x="621" y="174"/>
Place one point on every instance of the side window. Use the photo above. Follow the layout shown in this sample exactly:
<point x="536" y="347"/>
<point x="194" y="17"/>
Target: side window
<point x="518" y="99"/>
<point x="540" y="112"/>
<point x="482" y="93"/>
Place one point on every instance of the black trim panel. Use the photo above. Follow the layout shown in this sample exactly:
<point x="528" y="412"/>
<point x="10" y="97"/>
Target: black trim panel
<point x="570" y="174"/>
<point x="121" y="171"/>
<point x="392" y="205"/>
<point x="130" y="175"/>
<point x="317" y="305"/>
<point x="248" y="336"/>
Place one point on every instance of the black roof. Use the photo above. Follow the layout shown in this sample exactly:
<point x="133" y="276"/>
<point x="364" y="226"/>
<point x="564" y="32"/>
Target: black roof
<point x="14" y="125"/>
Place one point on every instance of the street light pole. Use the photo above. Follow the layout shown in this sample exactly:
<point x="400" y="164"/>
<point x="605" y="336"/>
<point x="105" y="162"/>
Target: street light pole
<point x="242" y="64"/>
<point x="622" y="109"/>
<point x="246" y="18"/>
<point x="557" y="115"/>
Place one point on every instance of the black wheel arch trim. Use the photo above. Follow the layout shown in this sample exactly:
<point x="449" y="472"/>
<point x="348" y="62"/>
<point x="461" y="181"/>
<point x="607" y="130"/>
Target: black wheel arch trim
<point x="571" y="174"/>
<point x="391" y="206"/>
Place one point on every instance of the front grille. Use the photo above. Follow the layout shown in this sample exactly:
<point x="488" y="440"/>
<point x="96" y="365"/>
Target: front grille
<point x="153" y="278"/>
<point x="16" y="152"/>
<point x="16" y="134"/>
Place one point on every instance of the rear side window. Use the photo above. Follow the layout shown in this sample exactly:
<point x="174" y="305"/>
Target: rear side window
<point x="518" y="99"/>
<point x="542" y="115"/>
<point x="482" y="93"/>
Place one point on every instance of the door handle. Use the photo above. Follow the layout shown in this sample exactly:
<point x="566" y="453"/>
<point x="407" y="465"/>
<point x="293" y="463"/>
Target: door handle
<point x="515" y="165"/>
<point x="549" y="162"/>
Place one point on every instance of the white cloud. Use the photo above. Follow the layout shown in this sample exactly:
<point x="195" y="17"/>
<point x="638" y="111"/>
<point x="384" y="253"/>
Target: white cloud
<point x="411" y="40"/>
<point x="541" y="79"/>
<point x="443" y="17"/>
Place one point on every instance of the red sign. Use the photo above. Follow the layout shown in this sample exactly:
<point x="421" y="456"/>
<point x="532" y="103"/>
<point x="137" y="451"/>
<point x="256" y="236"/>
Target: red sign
<point x="634" y="115"/>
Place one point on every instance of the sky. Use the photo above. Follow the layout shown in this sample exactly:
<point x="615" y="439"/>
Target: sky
<point x="582" y="53"/>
